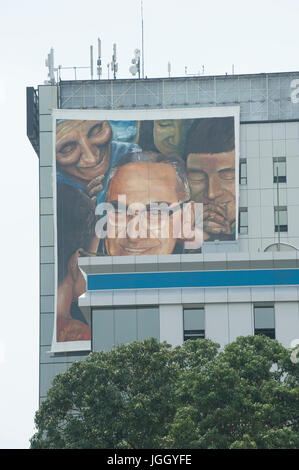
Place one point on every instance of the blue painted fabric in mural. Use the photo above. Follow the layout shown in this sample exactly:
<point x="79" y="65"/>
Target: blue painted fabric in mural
<point x="118" y="150"/>
<point x="62" y="177"/>
<point x="124" y="131"/>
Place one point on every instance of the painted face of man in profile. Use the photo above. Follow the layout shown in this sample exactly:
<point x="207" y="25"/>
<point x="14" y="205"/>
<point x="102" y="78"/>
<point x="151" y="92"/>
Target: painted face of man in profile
<point x="143" y="182"/>
<point x="170" y="135"/>
<point x="83" y="149"/>
<point x="210" y="164"/>
<point x="212" y="181"/>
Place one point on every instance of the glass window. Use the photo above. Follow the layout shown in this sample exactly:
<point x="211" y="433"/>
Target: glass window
<point x="125" y="324"/>
<point x="279" y="170"/>
<point x="264" y="321"/>
<point x="148" y="323"/>
<point x="243" y="221"/>
<point x="121" y="325"/>
<point x="281" y="219"/>
<point x="194" y="323"/>
<point x="243" y="171"/>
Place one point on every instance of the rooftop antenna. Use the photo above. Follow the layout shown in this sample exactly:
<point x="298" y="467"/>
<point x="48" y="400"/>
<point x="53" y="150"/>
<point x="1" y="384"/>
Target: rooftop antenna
<point x="135" y="68"/>
<point x="114" y="64"/>
<point x="91" y="62"/>
<point x="142" y="38"/>
<point x="50" y="65"/>
<point x="99" y="61"/>
<point x="52" y="69"/>
<point x="191" y="74"/>
<point x="169" y="69"/>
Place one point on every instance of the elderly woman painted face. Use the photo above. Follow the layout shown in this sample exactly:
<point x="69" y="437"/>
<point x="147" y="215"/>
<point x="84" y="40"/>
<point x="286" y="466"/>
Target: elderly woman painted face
<point x="170" y="135"/>
<point x="83" y="150"/>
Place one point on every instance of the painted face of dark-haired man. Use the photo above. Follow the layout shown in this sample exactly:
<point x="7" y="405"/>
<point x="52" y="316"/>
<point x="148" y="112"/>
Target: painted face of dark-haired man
<point x="211" y="176"/>
<point x="212" y="182"/>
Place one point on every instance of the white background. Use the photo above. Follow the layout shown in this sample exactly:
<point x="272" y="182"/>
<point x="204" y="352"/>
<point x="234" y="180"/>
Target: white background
<point x="254" y="36"/>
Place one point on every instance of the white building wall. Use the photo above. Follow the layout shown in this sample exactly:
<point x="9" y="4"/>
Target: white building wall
<point x="259" y="143"/>
<point x="171" y="324"/>
<point x="240" y="320"/>
<point x="286" y="322"/>
<point x="217" y="323"/>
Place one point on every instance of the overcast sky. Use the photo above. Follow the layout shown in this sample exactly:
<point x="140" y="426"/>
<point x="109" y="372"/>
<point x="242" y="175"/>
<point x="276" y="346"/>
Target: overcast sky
<point x="254" y="36"/>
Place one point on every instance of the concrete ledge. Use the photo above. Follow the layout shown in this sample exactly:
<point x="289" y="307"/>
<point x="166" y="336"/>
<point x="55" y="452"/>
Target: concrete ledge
<point x="189" y="262"/>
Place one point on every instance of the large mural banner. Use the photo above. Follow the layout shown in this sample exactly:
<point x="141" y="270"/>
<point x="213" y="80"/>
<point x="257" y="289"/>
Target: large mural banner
<point x="131" y="183"/>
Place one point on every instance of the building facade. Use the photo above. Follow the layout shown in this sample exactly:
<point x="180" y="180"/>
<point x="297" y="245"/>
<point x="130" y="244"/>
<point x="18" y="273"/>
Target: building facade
<point x="245" y="286"/>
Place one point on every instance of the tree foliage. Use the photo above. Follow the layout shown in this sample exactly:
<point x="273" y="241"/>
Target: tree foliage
<point x="151" y="395"/>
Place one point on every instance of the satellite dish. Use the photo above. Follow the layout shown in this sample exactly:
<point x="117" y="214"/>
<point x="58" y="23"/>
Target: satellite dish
<point x="133" y="69"/>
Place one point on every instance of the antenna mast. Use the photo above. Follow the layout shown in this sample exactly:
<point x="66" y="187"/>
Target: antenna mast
<point x="99" y="61"/>
<point x="114" y="64"/>
<point x="91" y="62"/>
<point x="142" y="38"/>
<point x="135" y="68"/>
<point x="50" y="65"/>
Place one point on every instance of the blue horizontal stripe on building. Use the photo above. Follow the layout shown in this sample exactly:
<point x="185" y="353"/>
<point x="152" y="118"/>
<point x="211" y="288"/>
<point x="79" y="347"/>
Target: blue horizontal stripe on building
<point x="180" y="279"/>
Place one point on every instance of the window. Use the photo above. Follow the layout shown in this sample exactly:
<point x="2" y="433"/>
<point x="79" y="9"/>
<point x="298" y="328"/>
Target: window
<point x="264" y="322"/>
<point x="194" y="323"/>
<point x="243" y="221"/>
<point x="243" y="171"/>
<point x="279" y="170"/>
<point x="281" y="219"/>
<point x="121" y="325"/>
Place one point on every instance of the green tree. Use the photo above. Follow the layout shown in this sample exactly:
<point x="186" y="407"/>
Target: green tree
<point x="248" y="397"/>
<point x="150" y="395"/>
<point x="118" y="399"/>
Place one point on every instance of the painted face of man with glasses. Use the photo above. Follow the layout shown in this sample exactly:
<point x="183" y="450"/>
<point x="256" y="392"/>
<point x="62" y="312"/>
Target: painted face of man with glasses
<point x="145" y="185"/>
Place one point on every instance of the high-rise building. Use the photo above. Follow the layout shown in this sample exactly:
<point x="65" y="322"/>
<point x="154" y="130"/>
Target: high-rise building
<point x="229" y="144"/>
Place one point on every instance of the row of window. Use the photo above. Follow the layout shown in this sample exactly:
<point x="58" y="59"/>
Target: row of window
<point x="194" y="322"/>
<point x="112" y="326"/>
<point x="279" y="170"/>
<point x="280" y="219"/>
